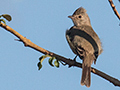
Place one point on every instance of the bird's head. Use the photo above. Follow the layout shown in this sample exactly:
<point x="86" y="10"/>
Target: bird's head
<point x="80" y="17"/>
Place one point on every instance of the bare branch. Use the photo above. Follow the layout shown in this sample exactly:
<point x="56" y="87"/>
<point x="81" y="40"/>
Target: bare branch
<point x="70" y="62"/>
<point x="114" y="9"/>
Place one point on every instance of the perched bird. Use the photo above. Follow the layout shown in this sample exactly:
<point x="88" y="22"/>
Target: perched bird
<point x="84" y="42"/>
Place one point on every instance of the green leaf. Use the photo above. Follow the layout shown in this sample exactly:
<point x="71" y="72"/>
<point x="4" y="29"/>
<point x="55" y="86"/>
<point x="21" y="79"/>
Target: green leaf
<point x="7" y="17"/>
<point x="39" y="65"/>
<point x="42" y="58"/>
<point x="3" y="21"/>
<point x="51" y="60"/>
<point x="56" y="63"/>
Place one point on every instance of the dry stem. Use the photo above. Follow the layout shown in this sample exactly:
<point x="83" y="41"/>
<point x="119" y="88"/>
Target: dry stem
<point x="70" y="62"/>
<point x="114" y="9"/>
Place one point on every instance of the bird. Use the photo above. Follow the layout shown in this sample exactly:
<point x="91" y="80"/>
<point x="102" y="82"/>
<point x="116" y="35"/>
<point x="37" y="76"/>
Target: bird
<point x="84" y="42"/>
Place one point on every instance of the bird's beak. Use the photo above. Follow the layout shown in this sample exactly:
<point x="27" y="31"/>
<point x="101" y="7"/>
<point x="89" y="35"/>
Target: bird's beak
<point x="70" y="17"/>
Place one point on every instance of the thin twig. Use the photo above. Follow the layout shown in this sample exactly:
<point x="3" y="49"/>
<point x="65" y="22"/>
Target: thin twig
<point x="114" y="9"/>
<point x="70" y="62"/>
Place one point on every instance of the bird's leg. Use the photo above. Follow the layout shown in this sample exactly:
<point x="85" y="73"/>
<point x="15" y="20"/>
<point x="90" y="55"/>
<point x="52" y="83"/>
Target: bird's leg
<point x="73" y="62"/>
<point x="75" y="58"/>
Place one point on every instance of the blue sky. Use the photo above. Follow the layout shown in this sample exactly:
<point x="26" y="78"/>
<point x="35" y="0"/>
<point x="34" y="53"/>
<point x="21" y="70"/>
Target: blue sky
<point x="44" y="22"/>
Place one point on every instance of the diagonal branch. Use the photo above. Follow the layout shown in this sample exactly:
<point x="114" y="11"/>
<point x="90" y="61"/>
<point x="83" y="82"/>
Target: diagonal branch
<point x="114" y="9"/>
<point x="70" y="62"/>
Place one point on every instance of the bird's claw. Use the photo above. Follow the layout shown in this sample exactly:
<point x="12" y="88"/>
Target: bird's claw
<point x="73" y="62"/>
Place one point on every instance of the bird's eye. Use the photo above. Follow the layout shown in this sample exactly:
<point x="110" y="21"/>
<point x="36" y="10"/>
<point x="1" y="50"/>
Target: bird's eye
<point x="80" y="16"/>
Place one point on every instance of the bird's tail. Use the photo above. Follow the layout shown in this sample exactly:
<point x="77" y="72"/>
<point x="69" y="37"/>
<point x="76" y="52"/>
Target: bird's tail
<point x="86" y="70"/>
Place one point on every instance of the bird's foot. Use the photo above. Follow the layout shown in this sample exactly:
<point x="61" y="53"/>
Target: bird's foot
<point x="74" y="61"/>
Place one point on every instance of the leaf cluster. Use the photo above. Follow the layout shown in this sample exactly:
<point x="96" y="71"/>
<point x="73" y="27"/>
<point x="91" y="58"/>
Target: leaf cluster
<point x="50" y="61"/>
<point x="6" y="16"/>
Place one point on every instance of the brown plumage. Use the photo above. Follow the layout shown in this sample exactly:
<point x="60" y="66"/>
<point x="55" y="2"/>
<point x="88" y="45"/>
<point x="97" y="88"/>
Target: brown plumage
<point x="84" y="42"/>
